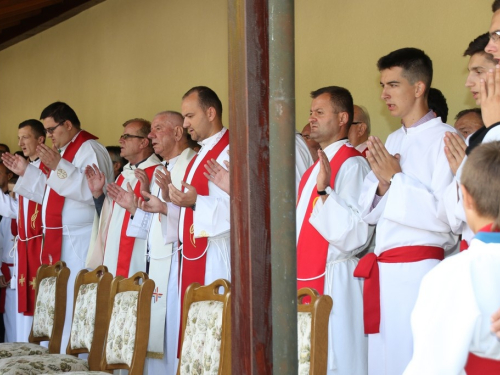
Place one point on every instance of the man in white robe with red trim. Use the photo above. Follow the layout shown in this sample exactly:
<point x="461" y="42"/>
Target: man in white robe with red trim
<point x="67" y="203"/>
<point x="110" y="245"/>
<point x="8" y="231"/>
<point x="29" y="238"/>
<point x="204" y="216"/>
<point x="330" y="230"/>
<point x="403" y="197"/>
<point x="157" y="221"/>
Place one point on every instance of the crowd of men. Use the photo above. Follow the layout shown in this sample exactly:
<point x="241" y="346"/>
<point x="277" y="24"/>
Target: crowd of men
<point x="374" y="220"/>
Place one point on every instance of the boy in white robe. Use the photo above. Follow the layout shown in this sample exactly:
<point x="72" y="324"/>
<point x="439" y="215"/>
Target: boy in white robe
<point x="402" y="196"/>
<point x="451" y="319"/>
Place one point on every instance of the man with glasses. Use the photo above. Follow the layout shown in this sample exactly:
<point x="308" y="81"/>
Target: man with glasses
<point x="123" y="255"/>
<point x="61" y="188"/>
<point x="360" y="129"/>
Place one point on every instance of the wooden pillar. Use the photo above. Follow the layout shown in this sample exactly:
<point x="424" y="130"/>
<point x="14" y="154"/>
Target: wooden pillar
<point x="255" y="279"/>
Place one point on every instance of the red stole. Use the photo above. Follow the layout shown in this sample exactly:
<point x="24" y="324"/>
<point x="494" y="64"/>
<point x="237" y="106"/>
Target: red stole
<point x="28" y="253"/>
<point x="126" y="246"/>
<point x="368" y="269"/>
<point x="312" y="248"/>
<point x="52" y="244"/>
<point x="193" y="271"/>
<point x="6" y="274"/>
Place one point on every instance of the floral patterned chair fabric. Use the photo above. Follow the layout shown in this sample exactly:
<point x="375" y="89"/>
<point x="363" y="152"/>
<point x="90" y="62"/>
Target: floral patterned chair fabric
<point x="41" y="364"/>
<point x="312" y="331"/>
<point x="50" y="290"/>
<point x="304" y="342"/>
<point x="120" y="342"/>
<point x="206" y="339"/>
<point x="17" y="349"/>
<point x="202" y="338"/>
<point x="82" y="329"/>
<point x="43" y="319"/>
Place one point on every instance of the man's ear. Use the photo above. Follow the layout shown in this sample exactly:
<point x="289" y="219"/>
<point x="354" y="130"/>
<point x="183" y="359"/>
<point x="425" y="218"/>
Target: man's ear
<point x="343" y="118"/>
<point x="211" y="113"/>
<point x="420" y="89"/>
<point x="41" y="140"/>
<point x="362" y="129"/>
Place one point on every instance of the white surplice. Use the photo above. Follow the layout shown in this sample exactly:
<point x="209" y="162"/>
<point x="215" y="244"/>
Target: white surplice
<point x="211" y="217"/>
<point x="453" y="195"/>
<point x="161" y="232"/>
<point x="339" y="221"/>
<point x="78" y="210"/>
<point x="113" y="215"/>
<point x="7" y="255"/>
<point x="452" y="315"/>
<point x="410" y="213"/>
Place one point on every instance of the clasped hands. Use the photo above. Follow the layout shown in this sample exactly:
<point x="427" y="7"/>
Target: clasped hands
<point x="383" y="164"/>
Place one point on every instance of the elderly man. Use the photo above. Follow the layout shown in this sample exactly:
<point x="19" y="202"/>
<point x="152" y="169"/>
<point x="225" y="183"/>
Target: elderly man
<point x="61" y="188"/>
<point x="157" y="221"/>
<point x="123" y="255"/>
<point x="330" y="230"/>
<point x="360" y="129"/>
<point x="468" y="121"/>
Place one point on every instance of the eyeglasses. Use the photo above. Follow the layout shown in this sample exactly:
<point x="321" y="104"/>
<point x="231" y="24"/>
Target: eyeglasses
<point x="127" y="136"/>
<point x="51" y="130"/>
<point x="356" y="122"/>
<point x="495" y="36"/>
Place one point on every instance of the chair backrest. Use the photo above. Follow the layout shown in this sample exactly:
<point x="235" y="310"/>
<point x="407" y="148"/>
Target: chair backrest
<point x="50" y="306"/>
<point x="206" y="321"/>
<point x="129" y="318"/>
<point x="90" y="314"/>
<point x="312" y="331"/>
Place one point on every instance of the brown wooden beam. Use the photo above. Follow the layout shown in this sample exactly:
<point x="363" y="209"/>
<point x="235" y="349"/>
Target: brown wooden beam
<point x="250" y="214"/>
<point x="50" y="16"/>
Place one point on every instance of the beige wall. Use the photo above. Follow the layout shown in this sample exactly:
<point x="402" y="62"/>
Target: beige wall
<point x="129" y="58"/>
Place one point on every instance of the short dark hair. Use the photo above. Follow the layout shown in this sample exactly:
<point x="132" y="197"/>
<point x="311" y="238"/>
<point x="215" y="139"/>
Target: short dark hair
<point x="495" y="6"/>
<point x="114" y="153"/>
<point x="464" y="112"/>
<point x="207" y="98"/>
<point x="481" y="177"/>
<point x="36" y="127"/>
<point x="340" y="98"/>
<point x="416" y="65"/>
<point x="61" y="112"/>
<point x="478" y="45"/>
<point x="437" y="103"/>
<point x="5" y="147"/>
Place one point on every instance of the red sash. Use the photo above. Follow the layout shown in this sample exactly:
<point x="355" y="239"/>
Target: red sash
<point x="52" y="243"/>
<point x="368" y="269"/>
<point x="364" y="152"/>
<point x="312" y="248"/>
<point x="6" y="274"/>
<point x="481" y="366"/>
<point x="194" y="270"/>
<point x="463" y="245"/>
<point x="126" y="246"/>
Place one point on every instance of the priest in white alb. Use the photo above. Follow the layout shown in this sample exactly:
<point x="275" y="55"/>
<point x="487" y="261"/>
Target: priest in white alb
<point x="330" y="230"/>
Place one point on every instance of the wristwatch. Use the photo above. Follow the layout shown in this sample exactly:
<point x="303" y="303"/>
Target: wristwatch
<point x="327" y="190"/>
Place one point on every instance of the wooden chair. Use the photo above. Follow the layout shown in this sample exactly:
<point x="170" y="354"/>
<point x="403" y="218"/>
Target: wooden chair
<point x="128" y="332"/>
<point x="90" y="318"/>
<point x="50" y="309"/>
<point x="206" y="320"/>
<point x="312" y="331"/>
